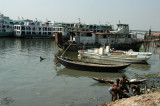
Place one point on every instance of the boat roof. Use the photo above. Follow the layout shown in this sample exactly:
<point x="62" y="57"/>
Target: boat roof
<point x="98" y="33"/>
<point x="122" y="24"/>
<point x="82" y="31"/>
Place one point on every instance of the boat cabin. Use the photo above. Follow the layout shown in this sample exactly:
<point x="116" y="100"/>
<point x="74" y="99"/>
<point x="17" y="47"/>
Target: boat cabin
<point x="121" y="29"/>
<point x="90" y="37"/>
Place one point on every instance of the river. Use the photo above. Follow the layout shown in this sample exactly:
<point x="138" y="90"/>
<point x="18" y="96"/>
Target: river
<point x="25" y="80"/>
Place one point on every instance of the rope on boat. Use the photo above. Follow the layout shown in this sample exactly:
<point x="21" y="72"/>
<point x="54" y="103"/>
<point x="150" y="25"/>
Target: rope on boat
<point x="66" y="49"/>
<point x="64" y="52"/>
<point x="82" y="51"/>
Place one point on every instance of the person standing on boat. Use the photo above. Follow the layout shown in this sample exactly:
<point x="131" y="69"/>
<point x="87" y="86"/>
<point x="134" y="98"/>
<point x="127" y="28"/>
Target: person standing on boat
<point x="115" y="91"/>
<point x="123" y="84"/>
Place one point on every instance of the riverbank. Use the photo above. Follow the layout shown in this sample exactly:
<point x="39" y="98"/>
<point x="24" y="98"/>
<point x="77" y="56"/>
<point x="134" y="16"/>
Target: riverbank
<point x="151" y="99"/>
<point x="150" y="93"/>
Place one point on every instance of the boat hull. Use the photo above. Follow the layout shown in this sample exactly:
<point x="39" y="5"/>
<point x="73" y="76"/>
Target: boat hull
<point x="118" y="58"/>
<point x="75" y="47"/>
<point x="34" y="36"/>
<point x="87" y="66"/>
<point x="6" y="34"/>
<point x="111" y="81"/>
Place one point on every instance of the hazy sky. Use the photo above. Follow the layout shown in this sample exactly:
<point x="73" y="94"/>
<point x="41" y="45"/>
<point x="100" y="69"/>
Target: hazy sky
<point x="139" y="14"/>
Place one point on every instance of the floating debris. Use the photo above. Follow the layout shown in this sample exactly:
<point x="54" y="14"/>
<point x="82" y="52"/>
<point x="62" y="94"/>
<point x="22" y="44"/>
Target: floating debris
<point x="38" y="93"/>
<point x="6" y="100"/>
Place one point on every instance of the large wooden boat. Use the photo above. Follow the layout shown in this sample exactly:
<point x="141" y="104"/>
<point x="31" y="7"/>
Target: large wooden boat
<point x="89" y="66"/>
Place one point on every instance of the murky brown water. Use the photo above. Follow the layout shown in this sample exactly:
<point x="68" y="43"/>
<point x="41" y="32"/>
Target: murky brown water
<point x="27" y="81"/>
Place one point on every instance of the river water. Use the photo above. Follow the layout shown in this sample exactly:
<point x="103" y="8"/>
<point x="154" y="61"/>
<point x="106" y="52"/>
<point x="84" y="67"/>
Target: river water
<point x="27" y="81"/>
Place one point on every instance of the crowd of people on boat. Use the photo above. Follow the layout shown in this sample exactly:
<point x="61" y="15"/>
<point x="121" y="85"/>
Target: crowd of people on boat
<point x="120" y="90"/>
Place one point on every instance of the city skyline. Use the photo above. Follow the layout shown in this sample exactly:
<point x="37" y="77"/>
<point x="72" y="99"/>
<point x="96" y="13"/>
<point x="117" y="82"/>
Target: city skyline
<point x="140" y="15"/>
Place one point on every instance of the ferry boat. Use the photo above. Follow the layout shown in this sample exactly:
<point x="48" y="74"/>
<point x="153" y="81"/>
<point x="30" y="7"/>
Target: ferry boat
<point x="115" y="55"/>
<point x="66" y="28"/>
<point x="119" y="39"/>
<point x="33" y="29"/>
<point x="6" y="26"/>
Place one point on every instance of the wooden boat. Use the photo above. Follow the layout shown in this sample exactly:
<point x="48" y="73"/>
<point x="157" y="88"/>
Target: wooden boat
<point x="89" y="66"/>
<point x="111" y="81"/>
<point x="118" y="55"/>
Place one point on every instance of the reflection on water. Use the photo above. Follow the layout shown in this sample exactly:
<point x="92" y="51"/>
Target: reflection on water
<point x="150" y="47"/>
<point x="78" y="73"/>
<point x="69" y="54"/>
<point x="142" y="67"/>
<point x="27" y="45"/>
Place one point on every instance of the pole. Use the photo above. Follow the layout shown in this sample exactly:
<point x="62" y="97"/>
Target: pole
<point x="66" y="49"/>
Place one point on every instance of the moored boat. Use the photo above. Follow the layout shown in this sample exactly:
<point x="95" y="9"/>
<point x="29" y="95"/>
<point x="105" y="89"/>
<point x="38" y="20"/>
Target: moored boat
<point x="66" y="28"/>
<point x="116" y="55"/>
<point x="34" y="29"/>
<point x="6" y="26"/>
<point x="119" y="39"/>
<point x="90" y="66"/>
<point x="111" y="81"/>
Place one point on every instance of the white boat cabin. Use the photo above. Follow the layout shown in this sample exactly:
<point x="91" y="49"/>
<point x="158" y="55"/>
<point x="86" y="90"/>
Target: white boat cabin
<point x="121" y="29"/>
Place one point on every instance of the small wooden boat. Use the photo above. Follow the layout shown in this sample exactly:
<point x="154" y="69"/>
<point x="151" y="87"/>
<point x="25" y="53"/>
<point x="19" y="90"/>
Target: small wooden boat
<point x="111" y="81"/>
<point x="89" y="66"/>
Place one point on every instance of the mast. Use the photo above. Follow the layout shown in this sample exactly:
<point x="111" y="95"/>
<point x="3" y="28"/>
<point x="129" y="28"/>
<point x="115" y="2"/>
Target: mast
<point x="150" y="31"/>
<point x="79" y="20"/>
